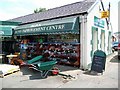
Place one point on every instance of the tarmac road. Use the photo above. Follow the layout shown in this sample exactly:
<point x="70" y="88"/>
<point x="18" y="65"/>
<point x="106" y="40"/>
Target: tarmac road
<point x="109" y="79"/>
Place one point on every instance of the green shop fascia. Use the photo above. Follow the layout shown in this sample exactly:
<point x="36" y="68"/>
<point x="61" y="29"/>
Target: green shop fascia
<point x="6" y="28"/>
<point x="59" y="26"/>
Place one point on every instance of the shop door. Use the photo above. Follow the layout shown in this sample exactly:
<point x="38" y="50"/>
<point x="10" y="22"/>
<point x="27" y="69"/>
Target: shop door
<point x="94" y="39"/>
<point x="103" y="40"/>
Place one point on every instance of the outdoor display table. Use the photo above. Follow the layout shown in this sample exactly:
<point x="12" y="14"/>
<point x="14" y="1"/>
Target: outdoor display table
<point x="11" y="56"/>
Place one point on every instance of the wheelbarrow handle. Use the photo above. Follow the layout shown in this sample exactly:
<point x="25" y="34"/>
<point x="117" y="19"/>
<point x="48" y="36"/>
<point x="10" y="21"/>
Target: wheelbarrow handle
<point x="66" y="75"/>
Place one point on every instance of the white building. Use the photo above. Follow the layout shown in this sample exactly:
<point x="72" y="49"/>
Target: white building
<point x="95" y="34"/>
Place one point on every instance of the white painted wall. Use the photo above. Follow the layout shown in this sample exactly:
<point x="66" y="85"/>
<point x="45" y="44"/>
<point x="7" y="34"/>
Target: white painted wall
<point x="94" y="11"/>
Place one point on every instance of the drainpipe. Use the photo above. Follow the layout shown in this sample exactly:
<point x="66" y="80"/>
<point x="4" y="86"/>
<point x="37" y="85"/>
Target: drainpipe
<point x="81" y="43"/>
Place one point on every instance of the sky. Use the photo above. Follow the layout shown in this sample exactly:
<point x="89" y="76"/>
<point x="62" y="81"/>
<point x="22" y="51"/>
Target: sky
<point x="15" y="8"/>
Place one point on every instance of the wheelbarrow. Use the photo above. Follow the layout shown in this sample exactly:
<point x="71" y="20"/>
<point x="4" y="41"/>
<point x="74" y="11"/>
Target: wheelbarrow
<point x="44" y="67"/>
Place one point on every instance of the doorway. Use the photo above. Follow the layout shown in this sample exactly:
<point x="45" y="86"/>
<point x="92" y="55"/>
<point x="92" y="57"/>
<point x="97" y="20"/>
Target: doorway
<point x="94" y="39"/>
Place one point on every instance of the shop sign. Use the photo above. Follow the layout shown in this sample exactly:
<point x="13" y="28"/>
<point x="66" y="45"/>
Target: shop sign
<point x="1" y="32"/>
<point x="36" y="25"/>
<point x="45" y="29"/>
<point x="98" y="62"/>
<point x="66" y="25"/>
<point x="99" y="22"/>
<point x="5" y="31"/>
<point x="105" y="14"/>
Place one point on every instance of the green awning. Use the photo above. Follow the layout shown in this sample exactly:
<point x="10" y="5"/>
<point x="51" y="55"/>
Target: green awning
<point x="5" y="31"/>
<point x="57" y="26"/>
<point x="9" y="23"/>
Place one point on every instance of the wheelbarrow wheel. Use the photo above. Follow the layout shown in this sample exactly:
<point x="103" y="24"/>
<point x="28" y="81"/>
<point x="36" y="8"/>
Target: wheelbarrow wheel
<point x="55" y="71"/>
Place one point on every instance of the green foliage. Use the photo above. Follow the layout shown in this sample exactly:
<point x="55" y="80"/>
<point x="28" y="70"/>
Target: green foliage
<point x="37" y="10"/>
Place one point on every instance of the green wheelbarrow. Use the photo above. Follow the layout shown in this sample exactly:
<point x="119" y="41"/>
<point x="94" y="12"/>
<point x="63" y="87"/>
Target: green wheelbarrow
<point x="44" y="67"/>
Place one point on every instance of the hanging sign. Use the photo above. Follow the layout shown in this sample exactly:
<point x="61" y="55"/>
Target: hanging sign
<point x="104" y="14"/>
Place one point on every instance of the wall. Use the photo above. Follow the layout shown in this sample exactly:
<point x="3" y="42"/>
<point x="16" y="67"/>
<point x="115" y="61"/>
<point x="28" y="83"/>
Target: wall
<point x="119" y="17"/>
<point x="119" y="21"/>
<point x="94" y="11"/>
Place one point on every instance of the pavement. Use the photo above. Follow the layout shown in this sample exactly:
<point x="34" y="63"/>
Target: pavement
<point x="83" y="79"/>
<point x="109" y="79"/>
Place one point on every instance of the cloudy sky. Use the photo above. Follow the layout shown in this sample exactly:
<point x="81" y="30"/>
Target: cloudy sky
<point x="15" y="8"/>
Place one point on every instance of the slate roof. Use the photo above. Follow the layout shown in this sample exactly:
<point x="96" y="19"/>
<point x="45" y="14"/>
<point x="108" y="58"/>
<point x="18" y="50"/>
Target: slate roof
<point x="66" y="10"/>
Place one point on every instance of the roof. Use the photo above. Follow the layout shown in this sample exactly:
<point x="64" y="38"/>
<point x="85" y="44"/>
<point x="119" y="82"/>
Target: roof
<point x="66" y="10"/>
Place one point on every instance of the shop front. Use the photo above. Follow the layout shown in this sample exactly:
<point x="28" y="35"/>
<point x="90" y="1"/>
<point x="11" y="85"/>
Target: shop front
<point x="69" y="34"/>
<point x="55" y="39"/>
<point x="6" y="38"/>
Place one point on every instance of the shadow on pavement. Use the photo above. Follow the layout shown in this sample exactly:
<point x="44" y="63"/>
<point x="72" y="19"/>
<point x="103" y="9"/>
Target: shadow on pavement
<point x="33" y="74"/>
<point x="63" y="68"/>
<point x="92" y="73"/>
<point x="115" y="59"/>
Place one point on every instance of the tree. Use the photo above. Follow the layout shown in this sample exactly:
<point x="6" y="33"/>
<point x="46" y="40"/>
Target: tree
<point x="37" y="10"/>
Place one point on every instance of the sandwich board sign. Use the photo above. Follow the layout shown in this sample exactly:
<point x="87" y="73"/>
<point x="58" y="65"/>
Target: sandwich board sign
<point x="99" y="60"/>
